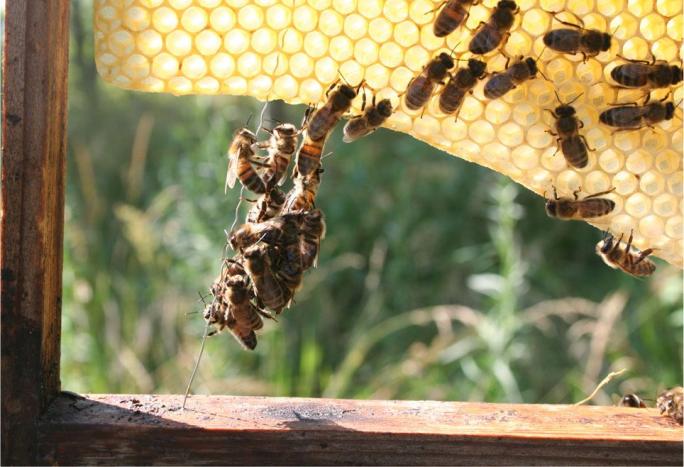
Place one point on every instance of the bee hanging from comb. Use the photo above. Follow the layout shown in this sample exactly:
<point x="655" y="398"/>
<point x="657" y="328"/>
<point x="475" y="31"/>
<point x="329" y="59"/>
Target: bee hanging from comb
<point x="578" y="209"/>
<point x="573" y="145"/>
<point x="369" y="121"/>
<point x="280" y="146"/>
<point x="634" y="263"/>
<point x="322" y="121"/>
<point x="241" y="158"/>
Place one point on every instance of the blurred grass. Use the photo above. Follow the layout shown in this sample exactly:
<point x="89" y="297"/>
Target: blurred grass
<point x="438" y="279"/>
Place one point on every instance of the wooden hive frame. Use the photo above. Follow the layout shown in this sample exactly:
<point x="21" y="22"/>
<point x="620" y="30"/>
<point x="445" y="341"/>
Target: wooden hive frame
<point x="42" y="425"/>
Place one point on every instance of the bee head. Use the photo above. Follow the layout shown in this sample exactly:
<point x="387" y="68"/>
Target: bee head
<point x="285" y="130"/>
<point x="385" y="107"/>
<point x="605" y="245"/>
<point x="632" y="400"/>
<point x="255" y="258"/>
<point x="237" y="289"/>
<point x="347" y="91"/>
<point x="341" y="99"/>
<point x="246" y="134"/>
<point x="669" y="110"/>
<point x="477" y="68"/>
<point x="446" y="60"/>
<point x="565" y="110"/>
<point x="551" y="207"/>
<point x="531" y="65"/>
<point x="606" y="41"/>
<point x="677" y="75"/>
<point x="507" y="4"/>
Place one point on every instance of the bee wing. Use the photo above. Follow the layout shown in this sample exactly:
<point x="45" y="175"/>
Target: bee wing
<point x="231" y="173"/>
<point x="595" y="207"/>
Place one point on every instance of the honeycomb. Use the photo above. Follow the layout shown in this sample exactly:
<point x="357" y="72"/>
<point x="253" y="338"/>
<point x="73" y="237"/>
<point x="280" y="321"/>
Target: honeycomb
<point x="294" y="50"/>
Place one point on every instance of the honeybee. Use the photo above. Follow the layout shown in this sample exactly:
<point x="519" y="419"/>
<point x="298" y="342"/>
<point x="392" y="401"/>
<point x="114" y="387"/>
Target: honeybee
<point x="369" y="121"/>
<point x="634" y="263"/>
<point x="502" y="82"/>
<point x="308" y="157"/>
<point x="216" y="315"/>
<point x="268" y="206"/>
<point x="588" y="42"/>
<point x="244" y="334"/>
<point x="632" y="400"/>
<point x="421" y="87"/>
<point x="289" y="268"/>
<point x="302" y="196"/>
<point x="322" y="121"/>
<point x="573" y="145"/>
<point x="270" y="231"/>
<point x="462" y="82"/>
<point x="451" y="16"/>
<point x="267" y="287"/>
<point x="632" y="116"/>
<point x="495" y="31"/>
<point x="240" y="159"/>
<point x="671" y="403"/>
<point x="281" y="146"/>
<point x="587" y="208"/>
<point x="655" y="74"/>
<point x="313" y="230"/>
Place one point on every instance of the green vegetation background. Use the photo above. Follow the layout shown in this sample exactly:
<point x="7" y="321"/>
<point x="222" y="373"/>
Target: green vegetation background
<point x="438" y="279"/>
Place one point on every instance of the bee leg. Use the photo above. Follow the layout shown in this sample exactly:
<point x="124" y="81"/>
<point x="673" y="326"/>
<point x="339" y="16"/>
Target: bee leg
<point x="579" y="20"/>
<point x="643" y="255"/>
<point x="584" y="140"/>
<point x="631" y="60"/>
<point x="600" y="193"/>
<point x="504" y="42"/>
<point x="555" y="193"/>
<point x="629" y="241"/>
<point x="617" y="244"/>
<point x="576" y="192"/>
<point x="331" y="87"/>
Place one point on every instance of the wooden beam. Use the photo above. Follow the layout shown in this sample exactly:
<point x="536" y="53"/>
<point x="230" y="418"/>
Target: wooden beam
<point x="221" y="430"/>
<point x="35" y="65"/>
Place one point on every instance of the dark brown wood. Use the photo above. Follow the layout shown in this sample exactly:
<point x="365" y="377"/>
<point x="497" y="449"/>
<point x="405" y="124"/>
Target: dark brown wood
<point x="146" y="429"/>
<point x="33" y="170"/>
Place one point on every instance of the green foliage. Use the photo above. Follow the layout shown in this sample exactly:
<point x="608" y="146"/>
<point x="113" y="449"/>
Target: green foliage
<point x="438" y="279"/>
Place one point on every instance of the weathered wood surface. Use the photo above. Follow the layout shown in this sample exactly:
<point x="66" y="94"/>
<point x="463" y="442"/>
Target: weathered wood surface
<point x="215" y="430"/>
<point x="33" y="165"/>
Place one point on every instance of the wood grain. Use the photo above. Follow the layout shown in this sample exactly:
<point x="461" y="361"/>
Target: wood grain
<point x="33" y="165"/>
<point x="221" y="430"/>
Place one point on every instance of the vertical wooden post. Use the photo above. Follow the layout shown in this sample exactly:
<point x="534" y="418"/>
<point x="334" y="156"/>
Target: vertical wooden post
<point x="35" y="65"/>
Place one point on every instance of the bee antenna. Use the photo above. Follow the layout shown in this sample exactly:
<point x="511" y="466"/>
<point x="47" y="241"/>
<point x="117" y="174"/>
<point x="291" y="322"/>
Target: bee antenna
<point x="540" y="53"/>
<point x="453" y="49"/>
<point x="249" y="119"/>
<point x="557" y="96"/>
<point x="343" y="78"/>
<point x="576" y="97"/>
<point x="542" y="73"/>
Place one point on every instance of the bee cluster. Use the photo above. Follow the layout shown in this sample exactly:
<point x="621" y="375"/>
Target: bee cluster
<point x="282" y="235"/>
<point x="572" y="39"/>
<point x="670" y="403"/>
